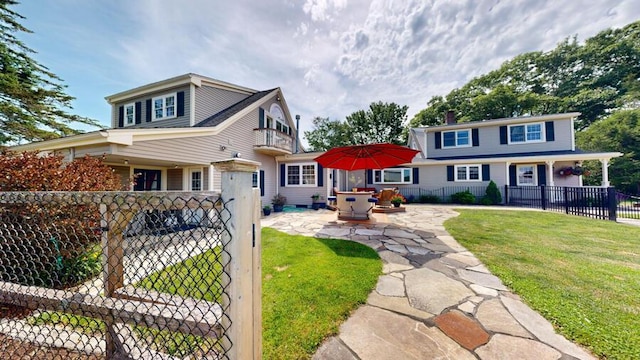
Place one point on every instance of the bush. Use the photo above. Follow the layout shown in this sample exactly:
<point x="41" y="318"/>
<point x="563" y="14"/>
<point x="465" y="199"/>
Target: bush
<point x="492" y="195"/>
<point x="463" y="197"/>
<point x="59" y="243"/>
<point x="430" y="199"/>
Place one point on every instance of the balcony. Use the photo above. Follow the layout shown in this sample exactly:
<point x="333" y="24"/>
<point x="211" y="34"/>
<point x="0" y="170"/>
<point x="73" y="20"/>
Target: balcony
<point x="272" y="142"/>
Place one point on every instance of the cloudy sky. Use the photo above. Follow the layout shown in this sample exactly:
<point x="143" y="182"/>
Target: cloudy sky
<point x="330" y="57"/>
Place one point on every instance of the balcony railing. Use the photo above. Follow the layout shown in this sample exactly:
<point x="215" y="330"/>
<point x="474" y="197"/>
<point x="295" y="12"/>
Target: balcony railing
<point x="272" y="141"/>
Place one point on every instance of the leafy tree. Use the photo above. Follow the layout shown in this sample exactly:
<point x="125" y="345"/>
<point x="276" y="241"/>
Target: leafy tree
<point x="619" y="132"/>
<point x="32" y="98"/>
<point x="326" y="134"/>
<point x="382" y="123"/>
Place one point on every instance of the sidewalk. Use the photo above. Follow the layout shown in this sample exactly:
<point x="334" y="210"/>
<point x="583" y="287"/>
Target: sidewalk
<point x="434" y="300"/>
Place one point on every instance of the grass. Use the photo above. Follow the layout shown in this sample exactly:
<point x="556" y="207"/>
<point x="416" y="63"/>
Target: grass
<point x="310" y="286"/>
<point x="583" y="275"/>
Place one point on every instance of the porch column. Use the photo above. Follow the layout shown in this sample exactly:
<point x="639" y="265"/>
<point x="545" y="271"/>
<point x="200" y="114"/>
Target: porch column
<point x="506" y="176"/>
<point x="605" y="172"/>
<point x="210" y="179"/>
<point x="550" y="181"/>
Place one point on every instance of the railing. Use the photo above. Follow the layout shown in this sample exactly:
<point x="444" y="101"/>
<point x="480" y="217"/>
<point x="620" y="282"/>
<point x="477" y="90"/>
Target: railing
<point x="628" y="206"/>
<point x="439" y="194"/>
<point x="158" y="275"/>
<point x="272" y="138"/>
<point x="593" y="202"/>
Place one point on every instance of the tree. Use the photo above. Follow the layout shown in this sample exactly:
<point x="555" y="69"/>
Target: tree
<point x="326" y="134"/>
<point x="32" y="98"/>
<point x="382" y="123"/>
<point x="619" y="132"/>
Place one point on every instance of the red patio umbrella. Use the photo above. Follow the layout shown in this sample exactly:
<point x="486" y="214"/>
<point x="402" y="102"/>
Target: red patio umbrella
<point x="369" y="156"/>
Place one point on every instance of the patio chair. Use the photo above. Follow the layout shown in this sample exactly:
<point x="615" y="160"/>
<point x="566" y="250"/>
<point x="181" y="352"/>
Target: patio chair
<point x="384" y="198"/>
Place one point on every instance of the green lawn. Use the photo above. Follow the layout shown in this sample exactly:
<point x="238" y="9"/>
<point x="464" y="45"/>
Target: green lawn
<point x="583" y="275"/>
<point x="310" y="286"/>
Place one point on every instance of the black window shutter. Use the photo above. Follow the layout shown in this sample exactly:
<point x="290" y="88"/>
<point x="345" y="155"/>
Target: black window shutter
<point x="503" y="135"/>
<point x="320" y="175"/>
<point x="416" y="175"/>
<point x="369" y="177"/>
<point x="121" y="116"/>
<point x="450" y="173"/>
<point x="513" y="181"/>
<point x="138" y="112"/>
<point x="475" y="138"/>
<point x="148" y="112"/>
<point x="549" y="133"/>
<point x="438" y="136"/>
<point x="283" y="173"/>
<point x="261" y="182"/>
<point x="542" y="174"/>
<point x="260" y="118"/>
<point x="486" y="175"/>
<point x="180" y="101"/>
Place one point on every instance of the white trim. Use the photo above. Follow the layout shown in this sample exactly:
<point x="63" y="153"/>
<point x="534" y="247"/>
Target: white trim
<point x="402" y="170"/>
<point x="534" y="174"/>
<point x="193" y="171"/>
<point x="467" y="166"/>
<point x="468" y="144"/>
<point x="503" y="121"/>
<point x="527" y="141"/>
<point x="164" y="98"/>
<point x="192" y="104"/>
<point x="124" y="114"/>
<point x="300" y="166"/>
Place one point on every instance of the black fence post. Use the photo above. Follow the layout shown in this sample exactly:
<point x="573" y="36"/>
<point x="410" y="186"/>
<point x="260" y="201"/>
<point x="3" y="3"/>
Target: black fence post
<point x="506" y="194"/>
<point x="566" y="199"/>
<point x="613" y="203"/>
<point x="543" y="197"/>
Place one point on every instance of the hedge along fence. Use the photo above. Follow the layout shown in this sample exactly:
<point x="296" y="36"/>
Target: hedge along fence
<point x="180" y="271"/>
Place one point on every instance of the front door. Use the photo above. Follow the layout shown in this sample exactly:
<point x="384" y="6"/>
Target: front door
<point x="147" y="180"/>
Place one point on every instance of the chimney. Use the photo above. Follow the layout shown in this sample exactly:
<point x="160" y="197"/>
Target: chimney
<point x="450" y="117"/>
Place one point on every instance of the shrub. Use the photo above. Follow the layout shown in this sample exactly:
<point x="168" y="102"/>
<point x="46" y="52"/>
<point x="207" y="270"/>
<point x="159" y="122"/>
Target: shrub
<point x="492" y="195"/>
<point x="463" y="197"/>
<point x="63" y="235"/>
<point x="429" y="199"/>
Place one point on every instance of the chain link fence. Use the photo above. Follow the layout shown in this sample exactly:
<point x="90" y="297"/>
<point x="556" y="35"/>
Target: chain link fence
<point x="115" y="275"/>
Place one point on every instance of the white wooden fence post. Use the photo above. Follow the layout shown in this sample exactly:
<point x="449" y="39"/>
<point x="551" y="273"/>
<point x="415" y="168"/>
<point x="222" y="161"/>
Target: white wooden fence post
<point x="239" y="216"/>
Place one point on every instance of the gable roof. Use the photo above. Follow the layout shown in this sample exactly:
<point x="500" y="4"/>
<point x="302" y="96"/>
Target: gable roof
<point x="220" y="117"/>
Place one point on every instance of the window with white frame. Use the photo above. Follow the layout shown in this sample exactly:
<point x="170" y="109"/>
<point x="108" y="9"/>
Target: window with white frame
<point x="526" y="175"/>
<point x="392" y="176"/>
<point x="301" y="175"/>
<point x="526" y="133"/>
<point x="196" y="180"/>
<point x="164" y="107"/>
<point x="468" y="173"/>
<point x="254" y="179"/>
<point x="129" y="114"/>
<point x="457" y="138"/>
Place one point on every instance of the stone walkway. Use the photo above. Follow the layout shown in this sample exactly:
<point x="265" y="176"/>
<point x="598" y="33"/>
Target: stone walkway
<point x="435" y="299"/>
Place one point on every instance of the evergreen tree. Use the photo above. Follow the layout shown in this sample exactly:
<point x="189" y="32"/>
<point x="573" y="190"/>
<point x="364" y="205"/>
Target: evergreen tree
<point x="32" y="98"/>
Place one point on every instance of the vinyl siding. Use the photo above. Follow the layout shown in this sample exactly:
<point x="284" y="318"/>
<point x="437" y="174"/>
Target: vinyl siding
<point x="182" y="121"/>
<point x="92" y="151"/>
<point x="300" y="195"/>
<point x="210" y="101"/>
<point x="489" y="137"/>
<point x="436" y="176"/>
<point x="124" y="173"/>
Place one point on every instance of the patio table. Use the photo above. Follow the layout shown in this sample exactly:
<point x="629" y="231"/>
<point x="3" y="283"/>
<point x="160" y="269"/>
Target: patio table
<point x="360" y="209"/>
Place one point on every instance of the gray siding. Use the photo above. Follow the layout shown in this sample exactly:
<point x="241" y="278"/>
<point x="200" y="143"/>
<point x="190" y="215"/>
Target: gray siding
<point x="210" y="101"/>
<point x="301" y="195"/>
<point x="174" y="179"/>
<point x="489" y="142"/>
<point x="182" y="121"/>
<point x="92" y="151"/>
<point x="124" y="173"/>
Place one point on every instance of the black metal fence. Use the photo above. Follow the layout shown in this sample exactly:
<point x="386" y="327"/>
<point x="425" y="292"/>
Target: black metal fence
<point x="441" y="194"/>
<point x="628" y="206"/>
<point x="593" y="202"/>
<point x="114" y="275"/>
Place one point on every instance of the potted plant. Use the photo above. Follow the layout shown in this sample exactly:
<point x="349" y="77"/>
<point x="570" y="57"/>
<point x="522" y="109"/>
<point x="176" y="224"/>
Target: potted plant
<point x="318" y="202"/>
<point x="397" y="199"/>
<point x="266" y="210"/>
<point x="278" y="202"/>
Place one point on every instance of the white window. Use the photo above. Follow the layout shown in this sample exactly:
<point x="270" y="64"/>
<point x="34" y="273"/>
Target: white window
<point x="301" y="175"/>
<point x="468" y="172"/>
<point x="457" y="138"/>
<point x="254" y="179"/>
<point x="164" y="107"/>
<point x="196" y="180"/>
<point x="392" y="176"/>
<point x="526" y="133"/>
<point x="526" y="175"/>
<point x="129" y="114"/>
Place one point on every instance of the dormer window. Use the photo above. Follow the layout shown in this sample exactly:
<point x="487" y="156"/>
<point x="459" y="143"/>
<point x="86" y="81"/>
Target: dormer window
<point x="129" y="114"/>
<point x="164" y="107"/>
<point x="457" y="138"/>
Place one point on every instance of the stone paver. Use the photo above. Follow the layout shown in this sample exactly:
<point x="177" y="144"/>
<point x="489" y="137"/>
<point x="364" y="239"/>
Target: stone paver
<point x="435" y="299"/>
